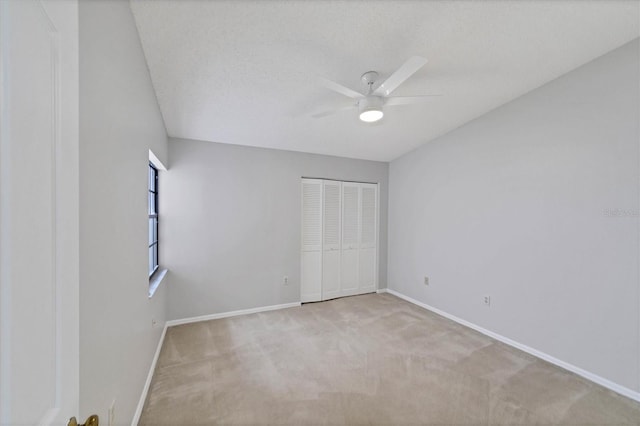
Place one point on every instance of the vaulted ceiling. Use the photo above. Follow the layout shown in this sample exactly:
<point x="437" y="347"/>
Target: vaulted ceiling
<point x="246" y="72"/>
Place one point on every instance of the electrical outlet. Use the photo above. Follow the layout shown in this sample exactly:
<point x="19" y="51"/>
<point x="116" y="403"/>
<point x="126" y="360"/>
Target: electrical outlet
<point x="487" y="300"/>
<point x="111" y="415"/>
<point x="426" y="280"/>
<point x="285" y="280"/>
<point x="154" y="322"/>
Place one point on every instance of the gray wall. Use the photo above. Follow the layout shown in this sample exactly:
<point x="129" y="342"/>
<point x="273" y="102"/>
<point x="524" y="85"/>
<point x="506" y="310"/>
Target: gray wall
<point x="119" y="122"/>
<point x="230" y="223"/>
<point x="513" y="205"/>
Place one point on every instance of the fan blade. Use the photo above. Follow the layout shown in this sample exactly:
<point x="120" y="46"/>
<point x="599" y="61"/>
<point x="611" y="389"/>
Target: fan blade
<point x="397" y="78"/>
<point x="332" y="85"/>
<point x="331" y="111"/>
<point x="406" y="100"/>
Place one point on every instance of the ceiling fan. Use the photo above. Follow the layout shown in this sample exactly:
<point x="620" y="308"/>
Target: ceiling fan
<point x="370" y="104"/>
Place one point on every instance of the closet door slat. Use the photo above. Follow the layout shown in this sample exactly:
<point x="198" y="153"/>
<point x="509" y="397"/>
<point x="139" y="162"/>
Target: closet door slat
<point x="311" y="215"/>
<point x="331" y="238"/>
<point x="311" y="254"/>
<point x="349" y="281"/>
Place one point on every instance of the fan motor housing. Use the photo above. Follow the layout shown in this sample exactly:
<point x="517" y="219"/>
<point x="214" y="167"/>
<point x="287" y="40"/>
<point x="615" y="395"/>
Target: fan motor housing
<point x="370" y="108"/>
<point x="370" y="103"/>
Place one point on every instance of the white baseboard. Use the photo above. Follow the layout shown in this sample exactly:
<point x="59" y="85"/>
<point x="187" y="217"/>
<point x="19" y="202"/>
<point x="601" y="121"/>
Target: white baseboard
<point x="231" y="314"/>
<point x="381" y="290"/>
<point x="147" y="384"/>
<point x="629" y="393"/>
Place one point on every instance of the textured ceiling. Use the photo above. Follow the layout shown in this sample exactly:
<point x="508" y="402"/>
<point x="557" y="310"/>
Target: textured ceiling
<point x="245" y="72"/>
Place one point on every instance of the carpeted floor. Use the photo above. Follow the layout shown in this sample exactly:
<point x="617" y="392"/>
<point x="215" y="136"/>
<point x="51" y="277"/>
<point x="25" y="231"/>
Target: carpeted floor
<point x="372" y="359"/>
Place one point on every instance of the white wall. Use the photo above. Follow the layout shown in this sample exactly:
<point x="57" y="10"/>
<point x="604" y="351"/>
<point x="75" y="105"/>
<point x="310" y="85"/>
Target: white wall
<point x="512" y="205"/>
<point x="230" y="223"/>
<point x="119" y="122"/>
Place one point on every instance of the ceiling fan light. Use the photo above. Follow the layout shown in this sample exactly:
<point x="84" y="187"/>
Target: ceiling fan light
<point x="371" y="115"/>
<point x="370" y="109"/>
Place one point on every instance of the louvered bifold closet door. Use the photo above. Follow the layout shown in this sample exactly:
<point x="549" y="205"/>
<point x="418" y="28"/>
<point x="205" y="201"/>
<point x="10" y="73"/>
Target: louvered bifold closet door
<point x="350" y="246"/>
<point x="331" y="240"/>
<point x="368" y="238"/>
<point x="311" y="262"/>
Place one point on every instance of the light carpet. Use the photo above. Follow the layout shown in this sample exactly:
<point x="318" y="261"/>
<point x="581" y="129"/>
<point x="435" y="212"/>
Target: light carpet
<point x="372" y="359"/>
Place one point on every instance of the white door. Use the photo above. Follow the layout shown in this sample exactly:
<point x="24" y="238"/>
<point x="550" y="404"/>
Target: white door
<point x="311" y="256"/>
<point x="350" y="238"/>
<point x="368" y="238"/>
<point x="331" y="240"/>
<point x="38" y="212"/>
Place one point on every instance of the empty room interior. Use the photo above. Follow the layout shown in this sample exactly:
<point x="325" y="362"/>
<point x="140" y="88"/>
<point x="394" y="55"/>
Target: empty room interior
<point x="320" y="212"/>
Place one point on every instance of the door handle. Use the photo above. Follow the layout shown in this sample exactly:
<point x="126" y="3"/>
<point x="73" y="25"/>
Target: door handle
<point x="92" y="420"/>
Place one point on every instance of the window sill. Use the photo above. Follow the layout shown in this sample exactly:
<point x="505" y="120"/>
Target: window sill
<point x="155" y="281"/>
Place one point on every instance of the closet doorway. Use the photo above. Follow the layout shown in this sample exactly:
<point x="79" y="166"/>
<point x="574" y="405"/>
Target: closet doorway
<point x="339" y="251"/>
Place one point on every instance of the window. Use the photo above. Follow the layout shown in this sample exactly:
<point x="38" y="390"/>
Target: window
<point x="153" y="219"/>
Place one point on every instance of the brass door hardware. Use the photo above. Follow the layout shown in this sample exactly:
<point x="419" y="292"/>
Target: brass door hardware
<point x="92" y="420"/>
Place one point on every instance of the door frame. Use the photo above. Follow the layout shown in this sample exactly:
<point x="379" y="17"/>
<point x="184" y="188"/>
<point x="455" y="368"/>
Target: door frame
<point x="321" y="180"/>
